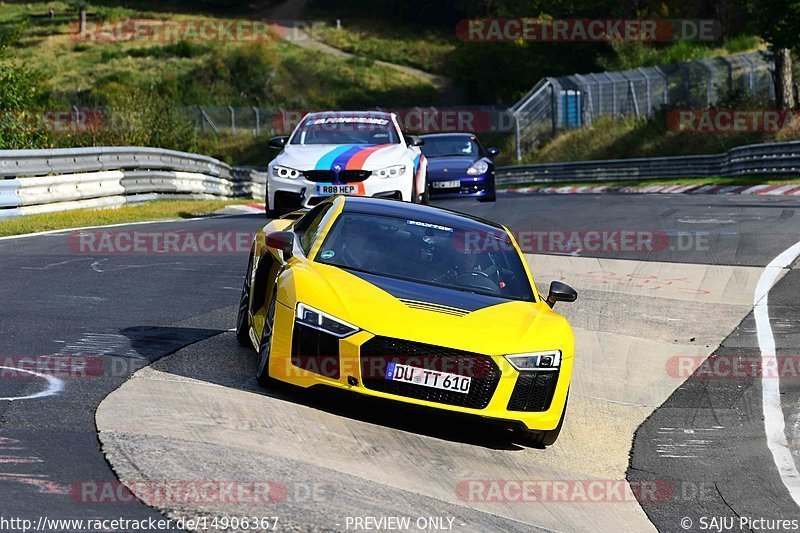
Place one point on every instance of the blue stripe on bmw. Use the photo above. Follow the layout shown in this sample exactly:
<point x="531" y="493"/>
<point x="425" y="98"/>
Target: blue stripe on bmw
<point x="326" y="161"/>
<point x="344" y="157"/>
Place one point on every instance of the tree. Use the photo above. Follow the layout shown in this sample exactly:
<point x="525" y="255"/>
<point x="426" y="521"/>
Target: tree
<point x="778" y="22"/>
<point x="20" y="124"/>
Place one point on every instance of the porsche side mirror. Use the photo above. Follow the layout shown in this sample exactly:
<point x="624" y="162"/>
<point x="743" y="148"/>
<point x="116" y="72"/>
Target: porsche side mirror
<point x="413" y="140"/>
<point x="492" y="151"/>
<point x="279" y="141"/>
<point x="561" y="292"/>
<point x="283" y="241"/>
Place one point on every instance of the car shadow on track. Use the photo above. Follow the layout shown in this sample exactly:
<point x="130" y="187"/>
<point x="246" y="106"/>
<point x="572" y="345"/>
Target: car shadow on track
<point x="222" y="361"/>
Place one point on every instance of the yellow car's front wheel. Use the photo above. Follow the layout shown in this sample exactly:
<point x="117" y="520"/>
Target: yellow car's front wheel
<point x="262" y="375"/>
<point x="242" y="319"/>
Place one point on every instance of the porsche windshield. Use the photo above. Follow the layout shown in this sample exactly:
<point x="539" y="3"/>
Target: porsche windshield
<point x="451" y="146"/>
<point x="346" y="129"/>
<point x="483" y="262"/>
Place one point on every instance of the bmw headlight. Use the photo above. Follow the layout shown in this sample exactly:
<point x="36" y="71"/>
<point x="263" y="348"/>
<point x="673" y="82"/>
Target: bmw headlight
<point x="285" y="172"/>
<point x="391" y="172"/>
<point x="314" y="318"/>
<point x="550" y="360"/>
<point x="480" y="167"/>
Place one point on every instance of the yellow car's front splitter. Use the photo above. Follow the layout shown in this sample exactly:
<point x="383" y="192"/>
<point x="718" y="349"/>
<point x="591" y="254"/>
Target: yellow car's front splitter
<point x="349" y="371"/>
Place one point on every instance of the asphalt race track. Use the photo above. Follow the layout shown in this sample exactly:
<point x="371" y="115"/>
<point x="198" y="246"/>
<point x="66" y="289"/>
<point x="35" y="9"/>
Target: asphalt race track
<point x="157" y="388"/>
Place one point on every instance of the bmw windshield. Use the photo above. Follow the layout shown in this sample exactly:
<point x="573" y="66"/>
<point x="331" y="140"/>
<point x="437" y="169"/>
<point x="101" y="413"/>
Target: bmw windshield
<point x="346" y="129"/>
<point x="483" y="262"/>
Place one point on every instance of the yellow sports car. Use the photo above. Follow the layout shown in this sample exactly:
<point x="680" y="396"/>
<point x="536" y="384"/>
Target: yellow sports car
<point x="409" y="303"/>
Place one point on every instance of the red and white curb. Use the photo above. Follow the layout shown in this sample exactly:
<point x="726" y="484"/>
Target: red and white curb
<point x="663" y="189"/>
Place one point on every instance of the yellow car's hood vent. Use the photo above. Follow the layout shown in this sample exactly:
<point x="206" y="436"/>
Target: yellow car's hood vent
<point x="436" y="308"/>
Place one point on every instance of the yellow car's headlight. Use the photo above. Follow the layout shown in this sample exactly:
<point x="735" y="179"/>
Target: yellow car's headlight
<point x="314" y="318"/>
<point x="549" y="360"/>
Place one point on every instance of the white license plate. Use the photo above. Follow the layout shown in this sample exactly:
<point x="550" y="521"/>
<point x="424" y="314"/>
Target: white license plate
<point x="428" y="378"/>
<point x="349" y="188"/>
<point x="445" y="184"/>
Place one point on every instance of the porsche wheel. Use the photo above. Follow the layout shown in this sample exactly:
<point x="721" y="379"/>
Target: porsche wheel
<point x="262" y="375"/>
<point x="242" y="320"/>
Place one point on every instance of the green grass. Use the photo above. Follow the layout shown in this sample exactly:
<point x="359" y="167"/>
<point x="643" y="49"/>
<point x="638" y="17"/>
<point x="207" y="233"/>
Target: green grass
<point x="634" y="54"/>
<point x="156" y="210"/>
<point x="610" y="138"/>
<point x="204" y="72"/>
<point x="425" y="50"/>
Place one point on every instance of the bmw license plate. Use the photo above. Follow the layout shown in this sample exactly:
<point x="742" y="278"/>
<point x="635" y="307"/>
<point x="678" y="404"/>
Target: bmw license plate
<point x="445" y="184"/>
<point x="428" y="378"/>
<point x="351" y="189"/>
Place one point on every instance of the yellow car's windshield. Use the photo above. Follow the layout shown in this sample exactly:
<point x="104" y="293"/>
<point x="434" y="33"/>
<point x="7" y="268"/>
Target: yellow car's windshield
<point x="467" y="259"/>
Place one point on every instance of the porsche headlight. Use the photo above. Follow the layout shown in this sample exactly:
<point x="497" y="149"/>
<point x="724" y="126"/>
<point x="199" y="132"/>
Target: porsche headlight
<point x="550" y="360"/>
<point x="480" y="167"/>
<point x="285" y="172"/>
<point x="314" y="318"/>
<point x="391" y="172"/>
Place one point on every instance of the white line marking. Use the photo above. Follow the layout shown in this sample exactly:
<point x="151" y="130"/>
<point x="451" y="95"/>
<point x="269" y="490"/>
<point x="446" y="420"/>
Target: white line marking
<point x="705" y="221"/>
<point x="54" y="385"/>
<point x="66" y="230"/>
<point x="774" y="423"/>
<point x="53" y="265"/>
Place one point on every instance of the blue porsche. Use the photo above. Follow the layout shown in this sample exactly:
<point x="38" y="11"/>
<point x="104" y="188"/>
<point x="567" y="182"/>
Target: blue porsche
<point x="459" y="166"/>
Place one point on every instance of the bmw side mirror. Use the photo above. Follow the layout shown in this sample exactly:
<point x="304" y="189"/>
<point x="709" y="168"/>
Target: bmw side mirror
<point x="413" y="140"/>
<point x="279" y="141"/>
<point x="492" y="152"/>
<point x="561" y="292"/>
<point x="283" y="241"/>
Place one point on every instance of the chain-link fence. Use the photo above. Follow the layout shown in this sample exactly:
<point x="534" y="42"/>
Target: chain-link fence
<point x="271" y="121"/>
<point x="574" y="101"/>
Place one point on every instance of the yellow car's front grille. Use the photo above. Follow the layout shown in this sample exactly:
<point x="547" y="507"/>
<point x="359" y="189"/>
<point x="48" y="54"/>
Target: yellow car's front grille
<point x="436" y="308"/>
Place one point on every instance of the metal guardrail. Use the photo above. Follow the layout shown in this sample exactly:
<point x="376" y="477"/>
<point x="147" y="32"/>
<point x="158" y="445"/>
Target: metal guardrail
<point x="769" y="160"/>
<point x="39" y="181"/>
